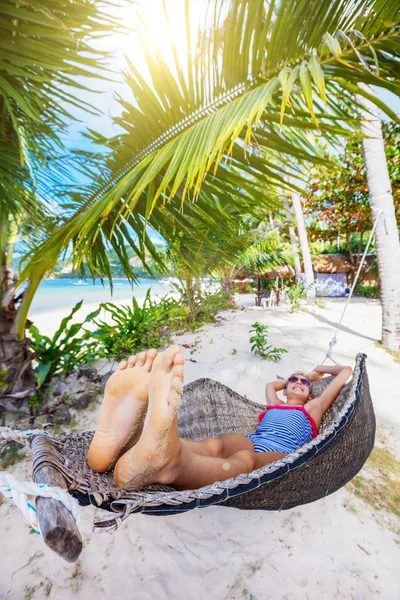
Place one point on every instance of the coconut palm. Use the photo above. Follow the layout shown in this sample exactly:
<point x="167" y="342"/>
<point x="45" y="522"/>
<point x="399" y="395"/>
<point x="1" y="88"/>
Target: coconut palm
<point x="197" y="125"/>
<point x="293" y="240"/>
<point x="46" y="50"/>
<point x="383" y="216"/>
<point x="305" y="248"/>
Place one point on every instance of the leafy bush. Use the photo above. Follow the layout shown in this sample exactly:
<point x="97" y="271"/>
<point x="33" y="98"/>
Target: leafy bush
<point x="69" y="347"/>
<point x="296" y="293"/>
<point x="260" y="344"/>
<point x="208" y="304"/>
<point x="367" y="291"/>
<point x="135" y="327"/>
<point x="128" y="330"/>
<point x="202" y="305"/>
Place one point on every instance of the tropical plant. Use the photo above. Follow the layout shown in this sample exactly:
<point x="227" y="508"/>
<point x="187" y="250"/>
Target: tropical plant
<point x="305" y="248"/>
<point x="129" y="329"/>
<point x="384" y="218"/>
<point x="197" y="130"/>
<point x="261" y="346"/>
<point x="367" y="291"/>
<point x="293" y="239"/>
<point x="70" y="347"/>
<point x="241" y="58"/>
<point x="47" y="52"/>
<point x="338" y="199"/>
<point x="296" y="293"/>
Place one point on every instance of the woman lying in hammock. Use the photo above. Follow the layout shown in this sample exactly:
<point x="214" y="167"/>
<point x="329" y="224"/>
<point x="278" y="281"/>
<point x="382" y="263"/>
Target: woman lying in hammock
<point x="138" y="426"/>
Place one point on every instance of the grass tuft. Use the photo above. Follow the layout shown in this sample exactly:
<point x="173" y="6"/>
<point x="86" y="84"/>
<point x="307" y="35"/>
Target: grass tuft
<point x="379" y="483"/>
<point x="393" y="353"/>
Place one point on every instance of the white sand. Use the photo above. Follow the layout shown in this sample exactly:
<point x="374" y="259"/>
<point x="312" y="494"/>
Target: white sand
<point x="334" y="548"/>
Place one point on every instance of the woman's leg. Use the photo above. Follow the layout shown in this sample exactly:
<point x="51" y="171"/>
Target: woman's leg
<point x="221" y="447"/>
<point x="192" y="471"/>
<point x="160" y="456"/>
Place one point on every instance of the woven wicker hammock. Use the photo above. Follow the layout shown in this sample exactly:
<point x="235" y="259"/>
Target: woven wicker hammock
<point x="210" y="409"/>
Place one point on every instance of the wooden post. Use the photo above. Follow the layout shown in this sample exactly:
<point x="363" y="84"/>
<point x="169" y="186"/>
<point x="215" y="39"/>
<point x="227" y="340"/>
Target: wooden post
<point x="259" y="292"/>
<point x="58" y="527"/>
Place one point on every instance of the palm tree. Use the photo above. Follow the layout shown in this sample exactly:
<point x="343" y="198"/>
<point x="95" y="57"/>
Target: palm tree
<point x="383" y="216"/>
<point x="293" y="240"/>
<point x="175" y="139"/>
<point x="46" y="47"/>
<point x="305" y="248"/>
<point x="194" y="132"/>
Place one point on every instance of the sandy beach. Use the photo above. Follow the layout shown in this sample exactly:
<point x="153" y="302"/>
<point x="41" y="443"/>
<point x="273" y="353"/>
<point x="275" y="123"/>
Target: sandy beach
<point x="338" y="547"/>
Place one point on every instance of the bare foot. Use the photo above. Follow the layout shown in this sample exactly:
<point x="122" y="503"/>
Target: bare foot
<point x="158" y="448"/>
<point x="122" y="412"/>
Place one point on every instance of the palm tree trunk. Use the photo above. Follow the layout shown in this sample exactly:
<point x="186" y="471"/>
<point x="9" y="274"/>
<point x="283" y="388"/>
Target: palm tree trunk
<point x="305" y="249"/>
<point x="17" y="379"/>
<point x="293" y="241"/>
<point x="386" y="233"/>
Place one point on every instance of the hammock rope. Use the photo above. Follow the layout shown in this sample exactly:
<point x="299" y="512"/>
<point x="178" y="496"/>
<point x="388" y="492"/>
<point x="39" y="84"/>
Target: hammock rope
<point x="24" y="493"/>
<point x="21" y="437"/>
<point x="333" y="341"/>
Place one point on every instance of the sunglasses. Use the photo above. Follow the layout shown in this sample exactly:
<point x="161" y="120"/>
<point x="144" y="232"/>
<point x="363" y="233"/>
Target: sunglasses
<point x="303" y="380"/>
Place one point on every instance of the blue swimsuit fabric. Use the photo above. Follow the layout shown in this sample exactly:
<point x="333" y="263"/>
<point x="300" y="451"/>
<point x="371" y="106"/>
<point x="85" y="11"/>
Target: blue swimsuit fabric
<point x="282" y="430"/>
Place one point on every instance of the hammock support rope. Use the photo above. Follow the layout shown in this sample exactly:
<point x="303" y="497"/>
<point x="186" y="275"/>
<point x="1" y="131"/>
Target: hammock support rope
<point x="24" y="494"/>
<point x="333" y="341"/>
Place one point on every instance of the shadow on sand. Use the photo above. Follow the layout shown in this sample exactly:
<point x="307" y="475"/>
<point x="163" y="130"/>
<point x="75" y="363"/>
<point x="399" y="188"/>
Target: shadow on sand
<point x="342" y="327"/>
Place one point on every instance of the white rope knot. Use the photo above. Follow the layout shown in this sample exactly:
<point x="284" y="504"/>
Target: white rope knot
<point x="23" y="494"/>
<point x="21" y="437"/>
<point x="332" y="343"/>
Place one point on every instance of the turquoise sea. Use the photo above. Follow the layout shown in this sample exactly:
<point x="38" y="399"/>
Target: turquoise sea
<point x="53" y="294"/>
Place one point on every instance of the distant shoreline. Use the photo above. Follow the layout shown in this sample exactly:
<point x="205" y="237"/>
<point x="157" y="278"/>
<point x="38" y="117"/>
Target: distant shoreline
<point x="64" y="293"/>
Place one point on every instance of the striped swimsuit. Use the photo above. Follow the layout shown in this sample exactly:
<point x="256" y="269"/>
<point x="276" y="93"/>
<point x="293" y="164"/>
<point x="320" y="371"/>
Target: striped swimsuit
<point x="283" y="429"/>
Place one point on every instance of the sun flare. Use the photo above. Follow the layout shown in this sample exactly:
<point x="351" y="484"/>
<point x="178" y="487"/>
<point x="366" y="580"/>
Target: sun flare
<point x="160" y="32"/>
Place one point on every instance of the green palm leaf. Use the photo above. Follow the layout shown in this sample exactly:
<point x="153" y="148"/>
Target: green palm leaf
<point x="266" y="55"/>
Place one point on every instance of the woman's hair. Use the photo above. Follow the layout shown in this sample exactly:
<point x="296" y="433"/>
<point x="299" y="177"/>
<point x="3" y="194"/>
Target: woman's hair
<point x="296" y="373"/>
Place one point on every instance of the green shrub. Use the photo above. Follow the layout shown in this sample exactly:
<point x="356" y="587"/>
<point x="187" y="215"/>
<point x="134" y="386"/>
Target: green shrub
<point x="208" y="304"/>
<point x="261" y="346"/>
<point x="296" y="293"/>
<point x="69" y="347"/>
<point x="202" y="305"/>
<point x="367" y="291"/>
<point x="134" y="328"/>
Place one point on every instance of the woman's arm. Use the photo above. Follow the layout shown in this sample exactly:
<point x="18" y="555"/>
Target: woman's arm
<point x="271" y="389"/>
<point x="328" y="396"/>
<point x="327" y="370"/>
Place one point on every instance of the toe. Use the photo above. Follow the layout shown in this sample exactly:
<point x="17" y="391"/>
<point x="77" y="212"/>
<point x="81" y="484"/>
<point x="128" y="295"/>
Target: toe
<point x="168" y="358"/>
<point x="122" y="365"/>
<point x="178" y="372"/>
<point x="157" y="361"/>
<point x="132" y="361"/>
<point x="151" y="354"/>
<point x="176" y="385"/>
<point x="175" y="395"/>
<point x="178" y="359"/>
<point x="141" y="359"/>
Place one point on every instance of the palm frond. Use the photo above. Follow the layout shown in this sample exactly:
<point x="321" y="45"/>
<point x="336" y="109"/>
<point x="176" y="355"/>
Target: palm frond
<point x="259" y="62"/>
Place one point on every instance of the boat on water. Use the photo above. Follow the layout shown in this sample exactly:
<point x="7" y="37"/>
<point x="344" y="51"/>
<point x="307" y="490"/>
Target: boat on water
<point x="80" y="282"/>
